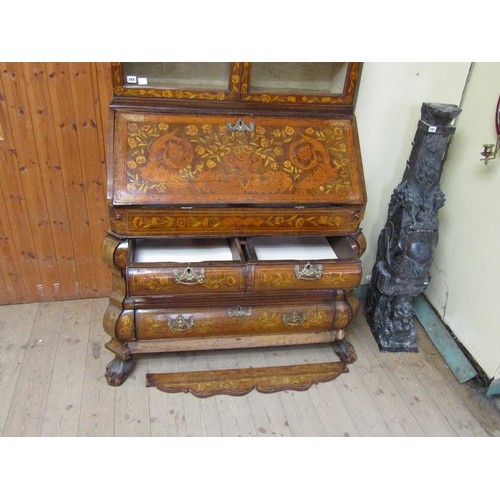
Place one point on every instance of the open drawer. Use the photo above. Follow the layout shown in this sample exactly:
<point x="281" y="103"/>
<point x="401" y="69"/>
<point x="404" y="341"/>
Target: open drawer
<point x="181" y="266"/>
<point x="301" y="263"/>
<point x="206" y="266"/>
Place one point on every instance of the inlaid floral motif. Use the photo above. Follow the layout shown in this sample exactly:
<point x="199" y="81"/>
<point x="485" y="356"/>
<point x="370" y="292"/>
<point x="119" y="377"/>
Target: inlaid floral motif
<point x="315" y="318"/>
<point x="190" y="160"/>
<point x="238" y="382"/>
<point x="217" y="322"/>
<point x="213" y="281"/>
<point x="125" y="328"/>
<point x="282" y="279"/>
<point x="141" y="223"/>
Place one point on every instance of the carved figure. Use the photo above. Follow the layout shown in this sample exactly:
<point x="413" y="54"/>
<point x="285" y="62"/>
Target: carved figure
<point x="407" y="242"/>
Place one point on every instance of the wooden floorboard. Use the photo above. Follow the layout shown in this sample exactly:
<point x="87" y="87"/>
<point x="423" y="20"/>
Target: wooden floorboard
<point x="52" y="363"/>
<point x="399" y="419"/>
<point x="97" y="407"/>
<point x="62" y="408"/>
<point x="16" y="323"/>
<point x="27" y="407"/>
<point x="166" y="410"/>
<point x="132" y="410"/>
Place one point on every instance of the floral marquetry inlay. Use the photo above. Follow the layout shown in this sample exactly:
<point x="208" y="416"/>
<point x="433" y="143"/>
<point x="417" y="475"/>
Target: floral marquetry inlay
<point x="161" y="281"/>
<point x="238" y="382"/>
<point x="192" y="160"/>
<point x="283" y="278"/>
<point x="222" y="221"/>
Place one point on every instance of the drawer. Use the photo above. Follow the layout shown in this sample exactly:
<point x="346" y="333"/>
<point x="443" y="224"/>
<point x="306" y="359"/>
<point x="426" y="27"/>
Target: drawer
<point x="160" y="267"/>
<point x="221" y="321"/>
<point x="182" y="266"/>
<point x="301" y="263"/>
<point x="250" y="220"/>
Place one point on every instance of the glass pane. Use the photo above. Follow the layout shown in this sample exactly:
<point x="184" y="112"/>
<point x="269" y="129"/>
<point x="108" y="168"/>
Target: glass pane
<point x="298" y="77"/>
<point x="177" y="75"/>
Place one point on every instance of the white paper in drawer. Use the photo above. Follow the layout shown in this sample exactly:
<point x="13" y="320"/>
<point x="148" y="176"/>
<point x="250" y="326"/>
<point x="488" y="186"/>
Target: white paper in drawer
<point x="289" y="248"/>
<point x="186" y="251"/>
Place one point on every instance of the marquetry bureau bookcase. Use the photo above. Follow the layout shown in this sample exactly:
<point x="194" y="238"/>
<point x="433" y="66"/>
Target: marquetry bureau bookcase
<point x="235" y="193"/>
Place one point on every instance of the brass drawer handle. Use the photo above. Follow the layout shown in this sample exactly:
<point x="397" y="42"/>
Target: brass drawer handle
<point x="189" y="277"/>
<point x="239" y="312"/>
<point x="241" y="126"/>
<point x="180" y="323"/>
<point x="309" y="272"/>
<point x="294" y="318"/>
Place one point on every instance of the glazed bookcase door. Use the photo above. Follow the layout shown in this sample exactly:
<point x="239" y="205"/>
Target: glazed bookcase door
<point x="325" y="85"/>
<point x="192" y="81"/>
<point x="300" y="83"/>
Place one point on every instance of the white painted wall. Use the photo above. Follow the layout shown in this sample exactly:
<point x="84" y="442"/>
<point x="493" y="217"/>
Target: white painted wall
<point x="387" y="111"/>
<point x="465" y="272"/>
<point x="466" y="268"/>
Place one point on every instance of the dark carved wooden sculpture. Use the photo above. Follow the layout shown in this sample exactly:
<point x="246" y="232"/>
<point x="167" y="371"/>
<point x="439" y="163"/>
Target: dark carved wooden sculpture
<point x="407" y="241"/>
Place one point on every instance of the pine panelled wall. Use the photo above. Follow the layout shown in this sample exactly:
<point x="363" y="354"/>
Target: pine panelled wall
<point x="53" y="121"/>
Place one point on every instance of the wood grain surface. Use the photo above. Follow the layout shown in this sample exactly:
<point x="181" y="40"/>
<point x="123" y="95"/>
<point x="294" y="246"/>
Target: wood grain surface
<point x="53" y="118"/>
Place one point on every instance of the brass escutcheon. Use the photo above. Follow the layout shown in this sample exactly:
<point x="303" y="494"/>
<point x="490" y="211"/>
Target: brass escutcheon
<point x="239" y="311"/>
<point x="241" y="126"/>
<point x="180" y="323"/>
<point x="189" y="277"/>
<point x="309" y="272"/>
<point x="294" y="318"/>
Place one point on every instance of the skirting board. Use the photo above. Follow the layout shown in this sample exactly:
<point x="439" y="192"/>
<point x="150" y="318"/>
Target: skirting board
<point x="444" y="342"/>
<point x="494" y="388"/>
<point x="440" y="337"/>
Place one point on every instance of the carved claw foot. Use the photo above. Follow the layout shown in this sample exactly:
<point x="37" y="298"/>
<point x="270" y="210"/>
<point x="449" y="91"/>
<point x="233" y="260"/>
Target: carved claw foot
<point x="118" y="370"/>
<point x="345" y="351"/>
